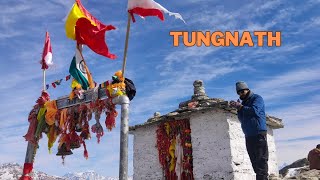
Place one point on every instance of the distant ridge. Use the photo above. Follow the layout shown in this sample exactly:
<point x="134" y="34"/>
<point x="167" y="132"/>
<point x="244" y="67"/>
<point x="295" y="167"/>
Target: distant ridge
<point x="10" y="171"/>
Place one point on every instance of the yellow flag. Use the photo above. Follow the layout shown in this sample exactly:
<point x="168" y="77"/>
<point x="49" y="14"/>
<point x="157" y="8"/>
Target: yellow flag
<point x="72" y="19"/>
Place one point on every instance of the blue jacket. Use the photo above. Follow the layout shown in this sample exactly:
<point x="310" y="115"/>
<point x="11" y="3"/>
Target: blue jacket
<point x="252" y="115"/>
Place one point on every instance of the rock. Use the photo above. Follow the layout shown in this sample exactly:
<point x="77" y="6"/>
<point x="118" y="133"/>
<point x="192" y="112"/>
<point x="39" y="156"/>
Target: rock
<point x="199" y="92"/>
<point x="156" y="114"/>
<point x="297" y="164"/>
<point x="307" y="175"/>
<point x="172" y="113"/>
<point x="274" y="177"/>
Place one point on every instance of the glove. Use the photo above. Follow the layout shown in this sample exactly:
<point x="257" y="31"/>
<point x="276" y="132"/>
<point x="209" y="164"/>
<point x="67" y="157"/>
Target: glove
<point x="235" y="104"/>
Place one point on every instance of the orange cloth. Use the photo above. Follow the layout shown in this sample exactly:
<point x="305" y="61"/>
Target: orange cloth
<point x="63" y="118"/>
<point x="71" y="95"/>
<point x="52" y="109"/>
<point x="119" y="75"/>
<point x="90" y="79"/>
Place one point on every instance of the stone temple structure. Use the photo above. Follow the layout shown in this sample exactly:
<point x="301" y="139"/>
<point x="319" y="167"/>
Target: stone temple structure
<point x="218" y="144"/>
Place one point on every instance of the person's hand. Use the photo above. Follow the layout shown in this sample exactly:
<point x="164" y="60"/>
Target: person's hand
<point x="235" y="104"/>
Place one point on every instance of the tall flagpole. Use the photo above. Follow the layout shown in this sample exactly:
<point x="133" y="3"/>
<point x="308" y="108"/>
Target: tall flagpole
<point x="124" y="129"/>
<point x="44" y="70"/>
<point x="32" y="147"/>
<point x="44" y="79"/>
<point x="126" y="46"/>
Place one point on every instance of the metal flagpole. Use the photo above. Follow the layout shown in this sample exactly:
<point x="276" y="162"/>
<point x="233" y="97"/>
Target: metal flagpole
<point x="44" y="79"/>
<point x="124" y="101"/>
<point x="32" y="148"/>
<point x="126" y="46"/>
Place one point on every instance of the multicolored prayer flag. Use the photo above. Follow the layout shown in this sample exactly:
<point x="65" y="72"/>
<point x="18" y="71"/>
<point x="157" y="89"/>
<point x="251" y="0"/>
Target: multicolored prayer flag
<point x="58" y="82"/>
<point x="68" y="77"/>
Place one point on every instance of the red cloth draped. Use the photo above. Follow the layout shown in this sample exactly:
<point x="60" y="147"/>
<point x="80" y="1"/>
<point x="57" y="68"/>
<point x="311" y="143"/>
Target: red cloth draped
<point x="93" y="37"/>
<point x="27" y="168"/>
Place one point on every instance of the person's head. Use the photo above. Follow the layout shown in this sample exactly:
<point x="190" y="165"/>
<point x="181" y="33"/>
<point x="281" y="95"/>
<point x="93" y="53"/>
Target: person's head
<point x="242" y="89"/>
<point x="318" y="146"/>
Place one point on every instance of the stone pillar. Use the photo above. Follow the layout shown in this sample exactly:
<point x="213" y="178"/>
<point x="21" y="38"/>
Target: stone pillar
<point x="199" y="93"/>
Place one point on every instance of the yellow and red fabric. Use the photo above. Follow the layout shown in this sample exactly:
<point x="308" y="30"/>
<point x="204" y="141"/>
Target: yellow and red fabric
<point x="78" y="11"/>
<point x="86" y="29"/>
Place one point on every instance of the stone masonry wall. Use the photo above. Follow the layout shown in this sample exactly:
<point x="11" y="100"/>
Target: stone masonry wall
<point x="218" y="146"/>
<point x="146" y="164"/>
<point x="211" y="145"/>
<point x="240" y="158"/>
<point x="273" y="160"/>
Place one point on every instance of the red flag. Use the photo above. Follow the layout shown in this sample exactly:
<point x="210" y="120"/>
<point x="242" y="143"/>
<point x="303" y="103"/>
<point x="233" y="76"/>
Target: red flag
<point x="93" y="37"/>
<point x="46" y="60"/>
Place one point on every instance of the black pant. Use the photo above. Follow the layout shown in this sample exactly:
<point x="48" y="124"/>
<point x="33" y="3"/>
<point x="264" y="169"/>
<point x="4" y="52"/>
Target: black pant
<point x="257" y="148"/>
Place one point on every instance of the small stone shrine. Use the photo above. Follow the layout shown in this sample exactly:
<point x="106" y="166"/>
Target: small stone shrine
<point x="202" y="139"/>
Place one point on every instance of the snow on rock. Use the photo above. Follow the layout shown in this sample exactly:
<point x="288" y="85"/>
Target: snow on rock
<point x="11" y="171"/>
<point x="88" y="175"/>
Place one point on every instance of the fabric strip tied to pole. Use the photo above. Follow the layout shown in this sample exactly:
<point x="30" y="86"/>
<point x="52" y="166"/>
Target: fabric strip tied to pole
<point x="52" y="109"/>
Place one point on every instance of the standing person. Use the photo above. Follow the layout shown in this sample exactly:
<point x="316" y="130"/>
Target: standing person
<point x="251" y="114"/>
<point x="314" y="158"/>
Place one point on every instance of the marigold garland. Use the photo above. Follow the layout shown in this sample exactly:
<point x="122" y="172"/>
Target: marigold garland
<point x="166" y="135"/>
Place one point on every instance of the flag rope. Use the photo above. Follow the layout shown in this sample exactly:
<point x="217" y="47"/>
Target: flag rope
<point x="56" y="82"/>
